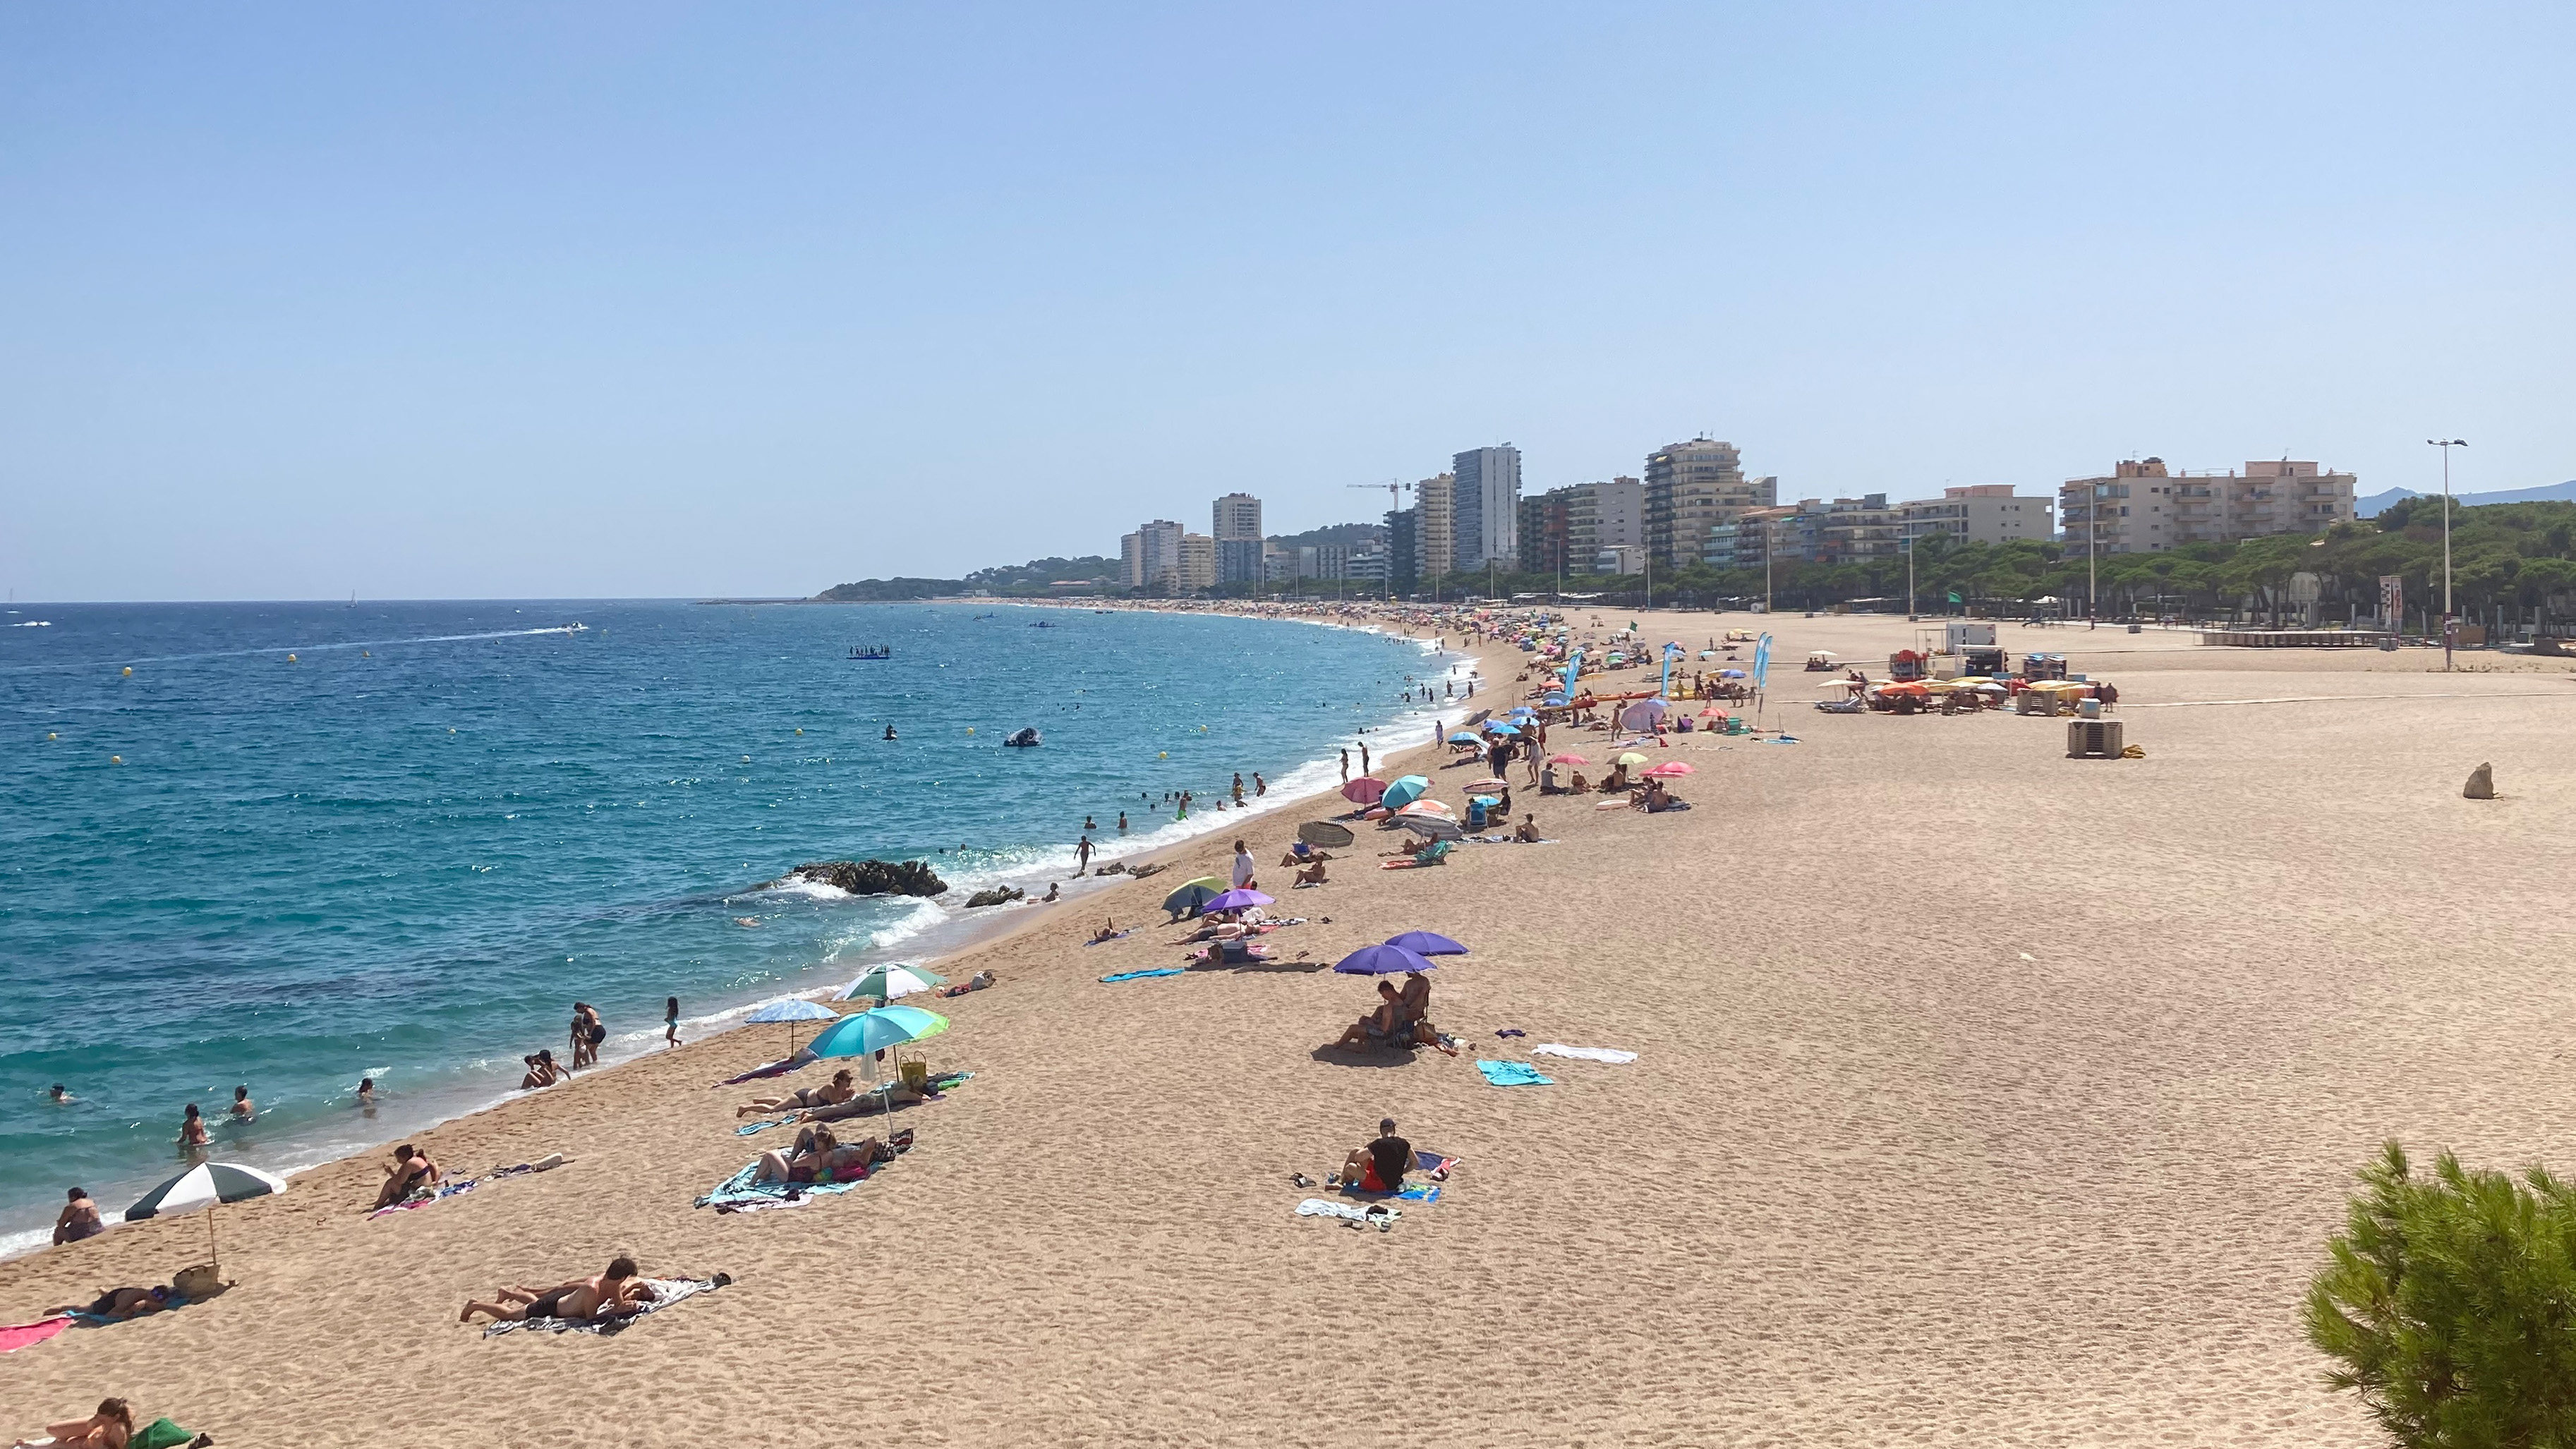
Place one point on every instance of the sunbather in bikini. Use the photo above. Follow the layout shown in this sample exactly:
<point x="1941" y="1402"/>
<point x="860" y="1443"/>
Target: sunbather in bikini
<point x="109" y="1428"/>
<point x="820" y="1157"/>
<point x="122" y="1303"/>
<point x="833" y="1094"/>
<point x="606" y="1296"/>
<point x="866" y="1103"/>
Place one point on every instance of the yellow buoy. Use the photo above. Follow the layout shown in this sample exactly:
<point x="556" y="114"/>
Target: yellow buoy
<point x="129" y="671"/>
<point x="291" y="659"/>
<point x="746" y="759"/>
<point x="49" y="734"/>
<point x="116" y="759"/>
<point x="800" y="731"/>
<point x="366" y="654"/>
<point x="1162" y="754"/>
<point x="970" y="729"/>
<point x="451" y="730"/>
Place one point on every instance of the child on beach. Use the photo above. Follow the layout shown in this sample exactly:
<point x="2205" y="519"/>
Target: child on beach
<point x="671" y="1021"/>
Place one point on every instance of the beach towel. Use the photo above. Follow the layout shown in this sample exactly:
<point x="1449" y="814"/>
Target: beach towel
<point x="1316" y="1207"/>
<point x="761" y="1126"/>
<point x="1141" y="975"/>
<point x="1589" y="1054"/>
<point x="1121" y="936"/>
<point x="451" y="1188"/>
<point x="1513" y="1074"/>
<point x="161" y="1434"/>
<point x="19" y="1335"/>
<point x="666" y="1291"/>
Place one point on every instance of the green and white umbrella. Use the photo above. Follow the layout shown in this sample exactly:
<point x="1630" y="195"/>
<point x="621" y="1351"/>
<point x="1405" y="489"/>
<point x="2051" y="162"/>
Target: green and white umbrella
<point x="203" y="1186"/>
<point x="891" y="980"/>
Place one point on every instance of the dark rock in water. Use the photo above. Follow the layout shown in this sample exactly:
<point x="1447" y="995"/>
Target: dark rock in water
<point x="2481" y="784"/>
<point x="871" y="877"/>
<point x="998" y="896"/>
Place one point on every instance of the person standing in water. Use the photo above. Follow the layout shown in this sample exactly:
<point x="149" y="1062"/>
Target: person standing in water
<point x="671" y="1022"/>
<point x="1259" y="785"/>
<point x="1082" y="853"/>
<point x="192" y="1130"/>
<point x="1238" y="787"/>
<point x="243" y="1111"/>
<point x="1122" y="822"/>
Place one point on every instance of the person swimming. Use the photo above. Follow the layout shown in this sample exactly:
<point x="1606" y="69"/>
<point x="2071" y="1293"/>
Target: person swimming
<point x="60" y="1098"/>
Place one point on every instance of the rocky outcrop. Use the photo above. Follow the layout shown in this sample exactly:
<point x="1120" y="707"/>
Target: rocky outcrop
<point x="871" y="877"/>
<point x="998" y="896"/>
<point x="2481" y="784"/>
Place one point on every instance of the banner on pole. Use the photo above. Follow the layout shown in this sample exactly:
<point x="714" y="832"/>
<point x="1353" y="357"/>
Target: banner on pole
<point x="1761" y="660"/>
<point x="2392" y="602"/>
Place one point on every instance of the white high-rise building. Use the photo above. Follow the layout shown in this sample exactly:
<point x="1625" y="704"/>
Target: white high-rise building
<point x="1236" y="527"/>
<point x="1151" y="556"/>
<point x="1487" y="507"/>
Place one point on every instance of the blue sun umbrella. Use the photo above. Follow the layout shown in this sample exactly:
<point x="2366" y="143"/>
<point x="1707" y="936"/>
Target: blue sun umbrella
<point x="791" y="1009"/>
<point x="1381" y="961"/>
<point x="869" y="1032"/>
<point x="1504" y="729"/>
<point x="1406" y="790"/>
<point x="1523" y="712"/>
<point x="1462" y="738"/>
<point x="1427" y="943"/>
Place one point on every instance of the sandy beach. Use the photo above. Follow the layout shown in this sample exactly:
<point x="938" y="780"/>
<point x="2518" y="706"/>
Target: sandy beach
<point x="1983" y="1097"/>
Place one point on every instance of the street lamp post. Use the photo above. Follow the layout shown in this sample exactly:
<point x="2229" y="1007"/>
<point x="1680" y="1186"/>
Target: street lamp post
<point x="1907" y="539"/>
<point x="2449" y="628"/>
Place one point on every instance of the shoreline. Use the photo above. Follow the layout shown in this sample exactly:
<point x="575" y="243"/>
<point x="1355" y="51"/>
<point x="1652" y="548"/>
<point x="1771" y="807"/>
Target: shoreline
<point x="323" y="1142"/>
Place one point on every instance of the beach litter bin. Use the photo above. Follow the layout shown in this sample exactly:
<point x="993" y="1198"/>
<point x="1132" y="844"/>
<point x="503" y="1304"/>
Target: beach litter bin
<point x="2093" y="739"/>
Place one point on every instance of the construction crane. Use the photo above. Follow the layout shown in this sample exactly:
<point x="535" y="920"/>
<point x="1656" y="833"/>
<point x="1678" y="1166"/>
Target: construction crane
<point x="1394" y="502"/>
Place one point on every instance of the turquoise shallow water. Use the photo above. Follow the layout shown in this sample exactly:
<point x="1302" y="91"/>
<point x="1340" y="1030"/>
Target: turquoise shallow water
<point x="410" y="849"/>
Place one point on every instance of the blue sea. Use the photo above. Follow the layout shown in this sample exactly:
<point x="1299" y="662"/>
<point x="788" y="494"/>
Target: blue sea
<point x="286" y="846"/>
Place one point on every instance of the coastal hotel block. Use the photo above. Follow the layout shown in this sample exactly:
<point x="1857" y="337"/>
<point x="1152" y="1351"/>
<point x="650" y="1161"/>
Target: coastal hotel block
<point x="2143" y="508"/>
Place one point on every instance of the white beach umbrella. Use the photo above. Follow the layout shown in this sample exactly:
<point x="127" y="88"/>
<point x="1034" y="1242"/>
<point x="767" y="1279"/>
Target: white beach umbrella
<point x="891" y="980"/>
<point x="203" y="1186"/>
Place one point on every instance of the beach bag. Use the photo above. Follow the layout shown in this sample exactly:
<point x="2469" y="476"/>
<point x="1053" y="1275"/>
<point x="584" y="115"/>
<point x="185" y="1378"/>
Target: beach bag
<point x="916" y="1074"/>
<point x="160" y="1434"/>
<point x="197" y="1283"/>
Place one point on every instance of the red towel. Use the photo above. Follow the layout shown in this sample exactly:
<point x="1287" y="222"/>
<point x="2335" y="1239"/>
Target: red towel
<point x="19" y="1335"/>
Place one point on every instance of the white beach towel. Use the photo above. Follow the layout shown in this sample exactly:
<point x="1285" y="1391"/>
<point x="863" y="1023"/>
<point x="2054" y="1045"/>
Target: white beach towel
<point x="1612" y="1055"/>
<point x="1316" y="1207"/>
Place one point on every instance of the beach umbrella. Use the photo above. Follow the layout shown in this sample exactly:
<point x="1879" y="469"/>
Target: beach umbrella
<point x="866" y="1033"/>
<point x="1406" y="790"/>
<point x="1567" y="759"/>
<point x="1667" y="770"/>
<point x="1363" y="791"/>
<point x="1324" y="832"/>
<point x="1489" y="783"/>
<point x="1382" y="961"/>
<point x="1463" y="738"/>
<point x="1234" y="900"/>
<point x="1438" y="827"/>
<point x="1193" y="896"/>
<point x="891" y="980"/>
<point x="1502" y="729"/>
<point x="1521" y="712"/>
<point x="791" y="1009"/>
<point x="1643" y="714"/>
<point x="1425" y="807"/>
<point x="203" y="1186"/>
<point x="1427" y="943"/>
<point x="1488" y="801"/>
<point x="1730" y="674"/>
<point x="1632" y="758"/>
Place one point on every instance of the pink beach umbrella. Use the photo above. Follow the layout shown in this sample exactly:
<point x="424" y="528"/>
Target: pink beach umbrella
<point x="1363" y="791"/>
<point x="1667" y="770"/>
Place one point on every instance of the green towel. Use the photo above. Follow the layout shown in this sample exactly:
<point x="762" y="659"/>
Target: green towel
<point x="160" y="1434"/>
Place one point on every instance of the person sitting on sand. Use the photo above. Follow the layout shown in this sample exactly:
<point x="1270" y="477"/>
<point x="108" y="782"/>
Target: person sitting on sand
<point x="831" y="1094"/>
<point x="1526" y="833"/>
<point x="79" y="1219"/>
<point x="601" y="1297"/>
<point x="1616" y="781"/>
<point x="1379" y="1165"/>
<point x="1301" y="854"/>
<point x="1312" y="875"/>
<point x="1381" y="1027"/>
<point x="410" y="1171"/>
<point x="109" y="1428"/>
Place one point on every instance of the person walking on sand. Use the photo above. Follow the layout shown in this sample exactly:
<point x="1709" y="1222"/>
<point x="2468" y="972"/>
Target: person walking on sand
<point x="1242" y="866"/>
<point x="1364" y="757"/>
<point x="671" y="1021"/>
<point x="1082" y="856"/>
<point x="1346" y="767"/>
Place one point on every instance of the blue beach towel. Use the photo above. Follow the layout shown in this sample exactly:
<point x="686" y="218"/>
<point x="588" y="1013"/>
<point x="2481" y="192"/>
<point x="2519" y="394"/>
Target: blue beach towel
<point x="739" y="1189"/>
<point x="1513" y="1074"/>
<point x="1121" y="936"/>
<point x="1141" y="975"/>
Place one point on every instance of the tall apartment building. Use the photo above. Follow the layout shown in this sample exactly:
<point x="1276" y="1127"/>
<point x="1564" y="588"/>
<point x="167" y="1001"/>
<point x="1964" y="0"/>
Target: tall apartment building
<point x="1692" y="487"/>
<point x="1856" y="530"/>
<point x="1543" y="532"/>
<point x="1487" y="510"/>
<point x="1403" y="537"/>
<point x="1435" y="529"/>
<point x="1609" y="514"/>
<point x="2143" y="508"/>
<point x="1198" y="563"/>
<point x="1151" y="556"/>
<point x="1980" y="513"/>
<point x="1236" y="527"/>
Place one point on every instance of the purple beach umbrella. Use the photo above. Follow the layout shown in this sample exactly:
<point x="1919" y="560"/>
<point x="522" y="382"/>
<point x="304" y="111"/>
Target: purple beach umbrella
<point x="1381" y="961"/>
<point x="1426" y="943"/>
<point x="1234" y="900"/>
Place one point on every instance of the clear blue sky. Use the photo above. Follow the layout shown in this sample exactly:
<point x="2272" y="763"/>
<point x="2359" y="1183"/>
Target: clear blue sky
<point x="582" y="300"/>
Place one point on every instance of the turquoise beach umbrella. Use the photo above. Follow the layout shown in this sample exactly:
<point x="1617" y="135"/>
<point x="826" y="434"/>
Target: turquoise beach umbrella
<point x="1405" y="790"/>
<point x="865" y="1033"/>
